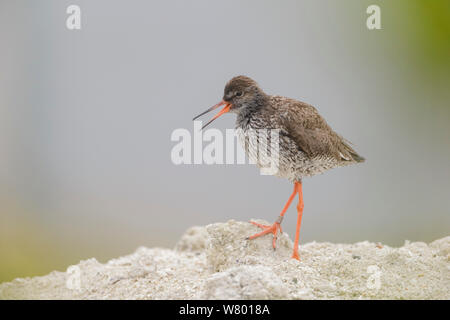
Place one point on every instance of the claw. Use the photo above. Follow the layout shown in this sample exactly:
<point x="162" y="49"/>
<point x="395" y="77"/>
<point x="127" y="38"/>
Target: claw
<point x="266" y="229"/>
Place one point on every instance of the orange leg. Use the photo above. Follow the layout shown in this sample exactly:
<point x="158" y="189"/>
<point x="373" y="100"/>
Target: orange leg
<point x="277" y="224"/>
<point x="298" y="186"/>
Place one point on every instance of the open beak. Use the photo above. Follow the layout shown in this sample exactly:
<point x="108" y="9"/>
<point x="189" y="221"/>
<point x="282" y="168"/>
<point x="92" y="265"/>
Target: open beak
<point x="221" y="112"/>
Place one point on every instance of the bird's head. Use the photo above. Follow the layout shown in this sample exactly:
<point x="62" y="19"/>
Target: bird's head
<point x="240" y="93"/>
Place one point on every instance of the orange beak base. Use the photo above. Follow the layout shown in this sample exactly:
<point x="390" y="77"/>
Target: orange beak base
<point x="221" y="112"/>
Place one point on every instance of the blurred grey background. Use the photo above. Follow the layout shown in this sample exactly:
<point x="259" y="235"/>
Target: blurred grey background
<point x="86" y="118"/>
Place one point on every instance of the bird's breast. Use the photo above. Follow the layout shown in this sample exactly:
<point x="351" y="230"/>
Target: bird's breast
<point x="266" y="145"/>
<point x="262" y="141"/>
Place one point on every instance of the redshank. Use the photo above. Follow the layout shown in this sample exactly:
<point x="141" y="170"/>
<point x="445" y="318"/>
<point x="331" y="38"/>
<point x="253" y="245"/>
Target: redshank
<point x="307" y="145"/>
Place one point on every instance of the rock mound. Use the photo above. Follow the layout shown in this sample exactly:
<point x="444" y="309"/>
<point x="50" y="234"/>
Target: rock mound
<point x="216" y="262"/>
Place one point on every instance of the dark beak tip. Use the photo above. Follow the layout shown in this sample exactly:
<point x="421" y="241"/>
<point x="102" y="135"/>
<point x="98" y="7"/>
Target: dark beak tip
<point x="208" y="110"/>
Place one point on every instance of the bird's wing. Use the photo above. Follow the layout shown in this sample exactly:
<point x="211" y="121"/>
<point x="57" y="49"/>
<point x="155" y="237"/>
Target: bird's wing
<point x="312" y="134"/>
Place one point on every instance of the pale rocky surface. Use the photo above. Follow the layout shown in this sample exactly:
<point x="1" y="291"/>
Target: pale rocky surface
<point x="216" y="262"/>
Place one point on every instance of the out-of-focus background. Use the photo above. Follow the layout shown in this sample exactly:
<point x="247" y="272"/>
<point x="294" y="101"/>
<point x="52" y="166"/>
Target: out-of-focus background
<point x="86" y="118"/>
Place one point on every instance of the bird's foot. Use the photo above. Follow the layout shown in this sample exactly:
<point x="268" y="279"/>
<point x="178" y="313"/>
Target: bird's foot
<point x="295" y="255"/>
<point x="267" y="229"/>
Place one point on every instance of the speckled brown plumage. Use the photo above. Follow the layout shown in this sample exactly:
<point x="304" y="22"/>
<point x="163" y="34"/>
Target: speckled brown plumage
<point x="308" y="145"/>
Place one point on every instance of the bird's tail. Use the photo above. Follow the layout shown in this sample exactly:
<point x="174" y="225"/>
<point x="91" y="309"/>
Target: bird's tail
<point x="357" y="157"/>
<point x="351" y="152"/>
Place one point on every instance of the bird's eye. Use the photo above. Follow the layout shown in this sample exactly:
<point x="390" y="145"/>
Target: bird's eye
<point x="238" y="94"/>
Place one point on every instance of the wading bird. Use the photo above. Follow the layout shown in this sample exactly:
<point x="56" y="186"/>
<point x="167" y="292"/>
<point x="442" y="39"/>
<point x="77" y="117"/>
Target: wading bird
<point x="307" y="145"/>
